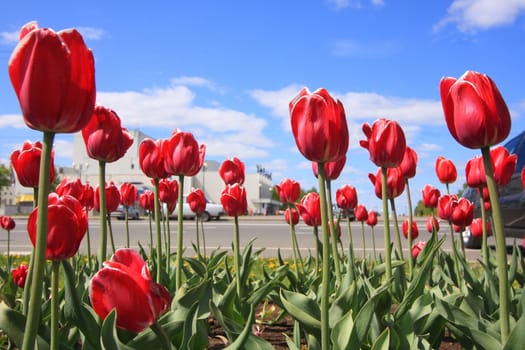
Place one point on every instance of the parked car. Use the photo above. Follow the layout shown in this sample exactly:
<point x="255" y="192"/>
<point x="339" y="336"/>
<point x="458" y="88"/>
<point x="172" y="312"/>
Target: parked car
<point x="120" y="213"/>
<point x="511" y="198"/>
<point x="213" y="210"/>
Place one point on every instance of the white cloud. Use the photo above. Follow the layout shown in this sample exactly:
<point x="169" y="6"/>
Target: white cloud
<point x="277" y="101"/>
<point x="194" y="81"/>
<point x="473" y="15"/>
<point x="91" y="33"/>
<point x="341" y="4"/>
<point x="63" y="148"/>
<point x="352" y="48"/>
<point x="12" y="120"/>
<point x="9" y="38"/>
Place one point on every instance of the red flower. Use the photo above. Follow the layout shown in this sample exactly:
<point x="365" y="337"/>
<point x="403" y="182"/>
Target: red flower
<point x="415" y="229"/>
<point x="128" y="194"/>
<point x="445" y="206"/>
<point x="395" y="182"/>
<point x="197" y="201"/>
<point x="310" y="209"/>
<point x="430" y="196"/>
<point x="361" y="214"/>
<point x="53" y="74"/>
<point x="462" y="212"/>
<point x="446" y="170"/>
<point x="417" y="248"/>
<point x="19" y="275"/>
<point x="232" y="171"/>
<point x="432" y="224"/>
<point x="385" y="141"/>
<point x="475" y="111"/>
<point x="112" y="198"/>
<point x="319" y="126"/>
<point x="475" y="173"/>
<point x="26" y="163"/>
<point x="291" y="216"/>
<point x="66" y="225"/>
<point x="7" y="222"/>
<point x="332" y="170"/>
<point x="169" y="192"/>
<point x="409" y="163"/>
<point x="289" y="191"/>
<point x="72" y="187"/>
<point x="104" y="137"/>
<point x="151" y="158"/>
<point x="503" y="163"/>
<point x="125" y="284"/>
<point x="87" y="197"/>
<point x="182" y="154"/>
<point x="233" y="199"/>
<point x="476" y="227"/>
<point x="371" y="219"/>
<point x="147" y="200"/>
<point x="346" y="197"/>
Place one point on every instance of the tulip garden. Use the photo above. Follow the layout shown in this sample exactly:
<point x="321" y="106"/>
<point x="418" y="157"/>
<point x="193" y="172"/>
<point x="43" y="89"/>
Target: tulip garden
<point x="158" y="298"/>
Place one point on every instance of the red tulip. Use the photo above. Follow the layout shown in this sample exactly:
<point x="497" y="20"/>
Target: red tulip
<point x="147" y="200"/>
<point x="415" y="229"/>
<point x="182" y="154"/>
<point x="125" y="284"/>
<point x="291" y="216"/>
<point x="232" y="171"/>
<point x="430" y="196"/>
<point x="446" y="170"/>
<point x="332" y="170"/>
<point x="104" y="137"/>
<point x="409" y="163"/>
<point x="169" y="192"/>
<point x="72" y="187"/>
<point x="361" y="214"/>
<point x="19" y="275"/>
<point x="475" y="173"/>
<point x="474" y="109"/>
<point x="197" y="201"/>
<point x="462" y="212"/>
<point x="7" y="222"/>
<point x="523" y="177"/>
<point x="151" y="158"/>
<point x="233" y="199"/>
<point x="371" y="219"/>
<point x="26" y="163"/>
<point x="128" y="194"/>
<point x="445" y="206"/>
<point x="66" y="226"/>
<point x="289" y="191"/>
<point x="319" y="126"/>
<point x="112" y="198"/>
<point x="53" y="74"/>
<point x="417" y="248"/>
<point x="385" y="141"/>
<point x="395" y="182"/>
<point x="346" y="197"/>
<point x="503" y="163"/>
<point x="476" y="227"/>
<point x="432" y="224"/>
<point x="87" y="197"/>
<point x="486" y="197"/>
<point x="310" y="209"/>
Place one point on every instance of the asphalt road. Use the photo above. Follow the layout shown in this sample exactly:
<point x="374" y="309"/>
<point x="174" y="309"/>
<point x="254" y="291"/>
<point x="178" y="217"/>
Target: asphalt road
<point x="270" y="233"/>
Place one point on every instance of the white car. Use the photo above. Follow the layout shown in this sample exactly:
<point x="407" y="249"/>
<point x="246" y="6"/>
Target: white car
<point x="213" y="210"/>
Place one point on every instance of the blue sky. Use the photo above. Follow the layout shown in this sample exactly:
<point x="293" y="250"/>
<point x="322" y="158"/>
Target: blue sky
<point x="226" y="70"/>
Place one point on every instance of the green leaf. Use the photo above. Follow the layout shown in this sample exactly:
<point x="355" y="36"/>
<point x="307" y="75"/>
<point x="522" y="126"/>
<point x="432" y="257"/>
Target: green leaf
<point x="304" y="309"/>
<point x="13" y="324"/>
<point x="109" y="336"/>
<point x="383" y="341"/>
<point x="517" y="335"/>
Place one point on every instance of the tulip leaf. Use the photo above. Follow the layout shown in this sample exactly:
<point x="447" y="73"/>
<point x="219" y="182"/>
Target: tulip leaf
<point x="383" y="341"/>
<point x="109" y="335"/>
<point x="517" y="335"/>
<point x="290" y="343"/>
<point x="302" y="308"/>
<point x="13" y="323"/>
<point x="246" y="339"/>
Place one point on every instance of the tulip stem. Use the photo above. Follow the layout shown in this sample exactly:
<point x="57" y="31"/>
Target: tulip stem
<point x="237" y="257"/>
<point x="29" y="278"/>
<point x="386" y="225"/>
<point x="295" y="246"/>
<point x="410" y="221"/>
<point x="203" y="238"/>
<point x="350" y="268"/>
<point x="110" y="231"/>
<point x="88" y="242"/>
<point x="126" y="218"/>
<point x="317" y="249"/>
<point x="396" y="229"/>
<point x="150" y="237"/>
<point x="501" y="249"/>
<point x="178" y="276"/>
<point x="335" y="235"/>
<point x="156" y="207"/>
<point x="325" y="284"/>
<point x="54" y="304"/>
<point x="35" y="299"/>
<point x="197" y="219"/>
<point x="484" y="245"/>
<point x="162" y="336"/>
<point x="102" y="210"/>
<point x="364" y="239"/>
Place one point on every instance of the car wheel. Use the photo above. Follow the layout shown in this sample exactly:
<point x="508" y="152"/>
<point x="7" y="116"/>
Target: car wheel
<point x="469" y="241"/>
<point x="137" y="216"/>
<point x="205" y="216"/>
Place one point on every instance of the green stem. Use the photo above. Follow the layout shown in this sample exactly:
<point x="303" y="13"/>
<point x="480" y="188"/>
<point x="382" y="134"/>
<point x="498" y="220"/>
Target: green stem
<point x="396" y="229"/>
<point x="88" y="242"/>
<point x="110" y="231"/>
<point x="335" y="235"/>
<point x="293" y="241"/>
<point x="35" y="299"/>
<point x="162" y="336"/>
<point x="29" y="278"/>
<point x="364" y="239"/>
<point x="410" y="221"/>
<point x="203" y="238"/>
<point x="386" y="226"/>
<point x="126" y="218"/>
<point x="178" y="277"/>
<point x="157" y="226"/>
<point x="54" y="304"/>
<point x="501" y="249"/>
<point x="8" y="251"/>
<point x="350" y="264"/>
<point x="237" y="257"/>
<point x="197" y="217"/>
<point x="317" y="249"/>
<point x="168" y="245"/>
<point x="484" y="245"/>
<point x="102" y="211"/>
<point x="374" y="242"/>
<point x="150" y="238"/>
<point x="325" y="284"/>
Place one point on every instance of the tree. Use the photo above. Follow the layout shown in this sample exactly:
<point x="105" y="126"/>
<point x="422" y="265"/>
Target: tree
<point x="5" y="176"/>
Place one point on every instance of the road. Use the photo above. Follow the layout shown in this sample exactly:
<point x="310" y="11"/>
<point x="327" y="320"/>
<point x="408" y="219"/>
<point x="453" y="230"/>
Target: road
<point x="270" y="233"/>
